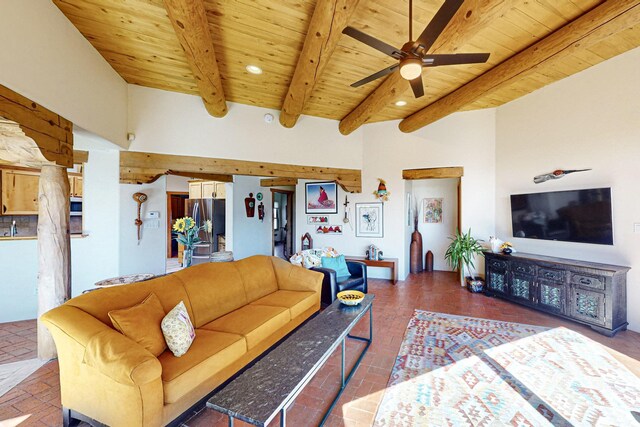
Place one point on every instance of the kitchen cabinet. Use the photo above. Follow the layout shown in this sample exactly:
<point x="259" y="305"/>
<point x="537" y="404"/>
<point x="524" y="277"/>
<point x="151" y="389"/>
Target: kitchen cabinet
<point x="19" y="192"/>
<point x="75" y="186"/>
<point x="586" y="292"/>
<point x="207" y="190"/>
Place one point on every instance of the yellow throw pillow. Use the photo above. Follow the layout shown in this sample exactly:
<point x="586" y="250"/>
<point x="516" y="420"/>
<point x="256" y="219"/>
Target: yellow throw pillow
<point x="141" y="323"/>
<point x="178" y="330"/>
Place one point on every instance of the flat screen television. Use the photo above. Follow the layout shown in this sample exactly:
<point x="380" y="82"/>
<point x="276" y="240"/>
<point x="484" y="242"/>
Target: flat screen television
<point x="582" y="216"/>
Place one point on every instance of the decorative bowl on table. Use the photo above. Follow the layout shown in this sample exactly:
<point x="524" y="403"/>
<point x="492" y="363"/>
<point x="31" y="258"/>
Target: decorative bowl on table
<point x="350" y="297"/>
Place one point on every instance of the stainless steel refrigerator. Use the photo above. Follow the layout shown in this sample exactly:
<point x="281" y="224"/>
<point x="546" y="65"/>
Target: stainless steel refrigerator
<point x="207" y="209"/>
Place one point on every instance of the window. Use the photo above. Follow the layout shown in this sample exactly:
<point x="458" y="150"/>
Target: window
<point x="276" y="215"/>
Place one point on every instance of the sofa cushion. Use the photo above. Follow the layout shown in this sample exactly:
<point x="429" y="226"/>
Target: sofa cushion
<point x="258" y="276"/>
<point x="210" y="352"/>
<point x="178" y="330"/>
<point x="254" y="322"/>
<point x="141" y="323"/>
<point x="296" y="301"/>
<point x="214" y="289"/>
<point x="338" y="264"/>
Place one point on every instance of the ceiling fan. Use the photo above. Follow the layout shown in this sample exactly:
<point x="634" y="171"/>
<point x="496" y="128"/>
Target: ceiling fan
<point x="413" y="55"/>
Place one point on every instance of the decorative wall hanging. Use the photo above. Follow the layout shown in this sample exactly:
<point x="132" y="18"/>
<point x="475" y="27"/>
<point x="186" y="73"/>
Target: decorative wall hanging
<point x="409" y="216"/>
<point x="329" y="229"/>
<point x="261" y="212"/>
<point x="140" y="198"/>
<point x="259" y="197"/>
<point x="556" y="174"/>
<point x="346" y="212"/>
<point x="432" y="211"/>
<point x="320" y="198"/>
<point x="369" y="219"/>
<point x="306" y="242"/>
<point x="381" y="193"/>
<point x="250" y="205"/>
<point x="317" y="219"/>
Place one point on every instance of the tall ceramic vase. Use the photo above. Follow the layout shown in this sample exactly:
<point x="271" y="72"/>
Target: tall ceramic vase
<point x="415" y="250"/>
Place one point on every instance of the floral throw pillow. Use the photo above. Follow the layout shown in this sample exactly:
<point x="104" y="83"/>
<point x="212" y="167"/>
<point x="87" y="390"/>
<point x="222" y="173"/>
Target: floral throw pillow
<point x="178" y="330"/>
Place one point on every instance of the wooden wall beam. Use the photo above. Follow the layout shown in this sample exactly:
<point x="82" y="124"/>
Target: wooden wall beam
<point x="80" y="157"/>
<point x="431" y="173"/>
<point x="52" y="133"/>
<point x="189" y="20"/>
<point x="471" y="18"/>
<point x="594" y="26"/>
<point x="205" y="176"/>
<point x="278" y="182"/>
<point x="139" y="167"/>
<point x="328" y="20"/>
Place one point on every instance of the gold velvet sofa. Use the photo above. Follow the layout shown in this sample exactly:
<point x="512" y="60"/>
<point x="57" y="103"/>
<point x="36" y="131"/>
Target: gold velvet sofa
<point x="239" y="310"/>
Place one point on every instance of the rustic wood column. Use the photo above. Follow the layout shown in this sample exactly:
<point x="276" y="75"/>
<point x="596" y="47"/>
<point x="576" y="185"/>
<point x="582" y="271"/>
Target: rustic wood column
<point x="54" y="249"/>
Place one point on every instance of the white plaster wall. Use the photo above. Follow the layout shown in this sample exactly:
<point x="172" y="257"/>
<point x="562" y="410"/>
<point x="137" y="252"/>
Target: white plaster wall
<point x="45" y="58"/>
<point x="435" y="237"/>
<point x="149" y="254"/>
<point x="250" y="235"/>
<point x="589" y="120"/>
<point x="463" y="139"/>
<point x="174" y="123"/>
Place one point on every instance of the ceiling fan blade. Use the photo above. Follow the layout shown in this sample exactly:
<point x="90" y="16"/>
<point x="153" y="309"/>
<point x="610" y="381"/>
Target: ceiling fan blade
<point x="373" y="42"/>
<point x="438" y="24"/>
<point x="417" y="86"/>
<point x="454" y="59"/>
<point x="375" y="76"/>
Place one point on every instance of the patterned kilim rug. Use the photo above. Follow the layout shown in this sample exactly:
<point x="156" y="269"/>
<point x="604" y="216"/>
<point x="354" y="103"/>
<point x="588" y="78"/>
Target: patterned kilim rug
<point x="464" y="371"/>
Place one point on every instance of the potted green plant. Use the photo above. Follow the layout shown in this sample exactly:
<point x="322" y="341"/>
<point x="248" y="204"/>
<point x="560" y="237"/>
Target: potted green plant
<point x="461" y="255"/>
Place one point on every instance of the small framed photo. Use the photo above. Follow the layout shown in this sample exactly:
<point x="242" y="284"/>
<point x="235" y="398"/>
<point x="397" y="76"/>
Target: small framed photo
<point x="432" y="211"/>
<point x="369" y="219"/>
<point x="321" y="197"/>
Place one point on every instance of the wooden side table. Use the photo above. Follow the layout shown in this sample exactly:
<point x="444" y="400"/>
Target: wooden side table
<point x="391" y="263"/>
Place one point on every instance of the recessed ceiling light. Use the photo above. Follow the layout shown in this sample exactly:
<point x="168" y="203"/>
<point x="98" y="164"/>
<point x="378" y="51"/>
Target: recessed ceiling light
<point x="254" y="69"/>
<point x="401" y="103"/>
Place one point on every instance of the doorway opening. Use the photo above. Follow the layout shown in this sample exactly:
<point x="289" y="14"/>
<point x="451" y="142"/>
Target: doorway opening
<point x="176" y="208"/>
<point x="283" y="223"/>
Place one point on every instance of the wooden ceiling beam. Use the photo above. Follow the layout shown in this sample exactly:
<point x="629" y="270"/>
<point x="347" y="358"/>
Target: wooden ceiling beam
<point x="189" y="20"/>
<point x="80" y="157"/>
<point x="473" y="16"/>
<point x="433" y="173"/>
<point x="206" y="176"/>
<point x="328" y="20"/>
<point x="278" y="182"/>
<point x="51" y="133"/>
<point x="594" y="26"/>
<point x="140" y="167"/>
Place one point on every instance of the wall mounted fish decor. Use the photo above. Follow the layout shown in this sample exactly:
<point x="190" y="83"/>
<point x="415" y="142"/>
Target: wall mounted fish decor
<point x="556" y="174"/>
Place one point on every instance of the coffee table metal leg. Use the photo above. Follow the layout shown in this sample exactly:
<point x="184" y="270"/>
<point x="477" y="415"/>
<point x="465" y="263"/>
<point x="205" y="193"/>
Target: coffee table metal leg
<point x="283" y="417"/>
<point x="344" y="380"/>
<point x="230" y="421"/>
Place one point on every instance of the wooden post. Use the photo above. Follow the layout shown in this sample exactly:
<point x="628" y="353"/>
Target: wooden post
<point x="54" y="249"/>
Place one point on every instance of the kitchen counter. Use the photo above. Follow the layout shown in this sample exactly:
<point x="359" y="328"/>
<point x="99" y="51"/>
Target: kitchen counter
<point x="73" y="236"/>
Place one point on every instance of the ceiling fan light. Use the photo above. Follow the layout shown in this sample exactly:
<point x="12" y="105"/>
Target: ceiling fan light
<point x="410" y="68"/>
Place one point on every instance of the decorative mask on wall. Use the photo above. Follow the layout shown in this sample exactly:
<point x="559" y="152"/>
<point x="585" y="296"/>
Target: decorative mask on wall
<point x="250" y="205"/>
<point x="381" y="193"/>
<point x="261" y="211"/>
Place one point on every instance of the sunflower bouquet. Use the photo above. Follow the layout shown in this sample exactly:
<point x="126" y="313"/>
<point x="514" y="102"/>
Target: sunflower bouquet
<point x="187" y="231"/>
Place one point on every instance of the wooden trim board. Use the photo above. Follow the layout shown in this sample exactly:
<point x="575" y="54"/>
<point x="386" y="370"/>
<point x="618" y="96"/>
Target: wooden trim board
<point x="433" y="173"/>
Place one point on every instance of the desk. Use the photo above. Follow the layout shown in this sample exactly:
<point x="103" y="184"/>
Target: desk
<point x="391" y="263"/>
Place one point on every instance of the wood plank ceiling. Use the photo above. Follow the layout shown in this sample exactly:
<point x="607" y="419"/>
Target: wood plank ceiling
<point x="137" y="38"/>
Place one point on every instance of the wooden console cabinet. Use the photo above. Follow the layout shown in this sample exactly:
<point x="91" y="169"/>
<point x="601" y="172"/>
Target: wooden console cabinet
<point x="586" y="292"/>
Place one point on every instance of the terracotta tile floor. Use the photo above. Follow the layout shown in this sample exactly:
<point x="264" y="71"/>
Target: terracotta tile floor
<point x="17" y="341"/>
<point x="393" y="307"/>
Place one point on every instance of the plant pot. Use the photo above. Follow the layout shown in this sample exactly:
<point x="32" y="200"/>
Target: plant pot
<point x="187" y="257"/>
<point x="474" y="284"/>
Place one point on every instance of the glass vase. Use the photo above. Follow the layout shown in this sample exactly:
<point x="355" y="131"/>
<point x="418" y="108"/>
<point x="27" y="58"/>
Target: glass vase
<point x="187" y="257"/>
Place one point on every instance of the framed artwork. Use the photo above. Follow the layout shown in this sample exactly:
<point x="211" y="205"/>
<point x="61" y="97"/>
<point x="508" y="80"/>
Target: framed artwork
<point x="432" y="211"/>
<point x="320" y="197"/>
<point x="317" y="219"/>
<point x="369" y="220"/>
<point x="329" y="229"/>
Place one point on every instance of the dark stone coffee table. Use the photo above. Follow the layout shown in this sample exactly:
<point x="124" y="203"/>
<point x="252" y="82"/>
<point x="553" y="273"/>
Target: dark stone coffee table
<point x="270" y="385"/>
